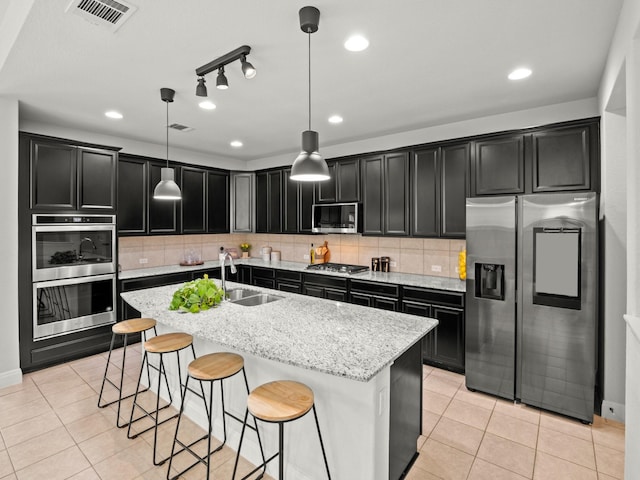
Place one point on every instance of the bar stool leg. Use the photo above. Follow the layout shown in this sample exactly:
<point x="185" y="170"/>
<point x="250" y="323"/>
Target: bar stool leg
<point x="244" y="425"/>
<point x="281" y="451"/>
<point x="324" y="455"/>
<point x="106" y="369"/>
<point x="173" y="447"/>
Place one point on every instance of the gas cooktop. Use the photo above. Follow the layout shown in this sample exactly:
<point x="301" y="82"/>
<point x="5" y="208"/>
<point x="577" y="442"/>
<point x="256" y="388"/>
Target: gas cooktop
<point x="337" y="267"/>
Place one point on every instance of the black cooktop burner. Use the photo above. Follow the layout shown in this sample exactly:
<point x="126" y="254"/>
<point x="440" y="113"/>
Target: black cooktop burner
<point x="337" y="267"/>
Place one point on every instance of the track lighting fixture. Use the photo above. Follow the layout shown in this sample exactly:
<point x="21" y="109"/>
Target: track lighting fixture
<point x="239" y="53"/>
<point x="167" y="188"/>
<point x="221" y="80"/>
<point x="201" y="89"/>
<point x="309" y="166"/>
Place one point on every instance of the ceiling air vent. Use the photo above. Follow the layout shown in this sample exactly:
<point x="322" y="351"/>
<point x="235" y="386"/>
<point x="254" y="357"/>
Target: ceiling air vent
<point x="180" y="128"/>
<point x="105" y="13"/>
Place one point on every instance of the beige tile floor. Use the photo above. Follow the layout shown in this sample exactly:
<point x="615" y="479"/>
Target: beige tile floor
<point x="50" y="428"/>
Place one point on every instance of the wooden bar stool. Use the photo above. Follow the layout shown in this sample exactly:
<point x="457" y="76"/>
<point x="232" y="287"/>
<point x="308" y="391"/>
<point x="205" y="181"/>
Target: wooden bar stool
<point x="161" y="345"/>
<point x="280" y="402"/>
<point x="126" y="328"/>
<point x="210" y="368"/>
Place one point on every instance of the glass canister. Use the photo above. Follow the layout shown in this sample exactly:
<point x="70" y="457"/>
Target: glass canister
<point x="375" y="264"/>
<point x="384" y="264"/>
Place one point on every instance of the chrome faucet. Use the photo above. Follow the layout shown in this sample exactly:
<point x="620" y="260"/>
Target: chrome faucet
<point x="85" y="239"/>
<point x="223" y="257"/>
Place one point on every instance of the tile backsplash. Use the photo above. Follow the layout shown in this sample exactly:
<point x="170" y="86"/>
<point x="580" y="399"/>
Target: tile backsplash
<point x="428" y="256"/>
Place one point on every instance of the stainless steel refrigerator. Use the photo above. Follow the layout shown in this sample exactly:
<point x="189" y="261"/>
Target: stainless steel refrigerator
<point x="532" y="300"/>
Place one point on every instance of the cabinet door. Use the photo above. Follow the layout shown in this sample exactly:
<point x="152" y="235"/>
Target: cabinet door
<point x="306" y="206"/>
<point x="132" y="196"/>
<point x="262" y="202"/>
<point x="499" y="166"/>
<point x="242" y="199"/>
<point x="335" y="295"/>
<point x="313" y="291"/>
<point x="453" y="166"/>
<point x="561" y="160"/>
<point x="275" y="202"/>
<point x="347" y="173"/>
<point x="192" y="186"/>
<point x="326" y="190"/>
<point x="372" y="195"/>
<point x="290" y="287"/>
<point x="448" y="340"/>
<point x="217" y="202"/>
<point x="385" y="303"/>
<point x="53" y="175"/>
<point x="396" y="194"/>
<point x="163" y="214"/>
<point x="96" y="179"/>
<point x="290" y="203"/>
<point x="425" y="193"/>
<point x="360" y="299"/>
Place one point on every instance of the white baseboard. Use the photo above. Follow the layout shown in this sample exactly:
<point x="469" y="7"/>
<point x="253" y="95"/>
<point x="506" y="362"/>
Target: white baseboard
<point x="12" y="377"/>
<point x="613" y="411"/>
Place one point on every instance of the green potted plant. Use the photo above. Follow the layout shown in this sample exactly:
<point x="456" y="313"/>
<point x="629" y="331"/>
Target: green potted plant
<point x="245" y="247"/>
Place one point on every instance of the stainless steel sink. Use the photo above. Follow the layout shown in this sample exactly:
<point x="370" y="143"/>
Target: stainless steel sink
<point x="238" y="293"/>
<point x="259" y="299"/>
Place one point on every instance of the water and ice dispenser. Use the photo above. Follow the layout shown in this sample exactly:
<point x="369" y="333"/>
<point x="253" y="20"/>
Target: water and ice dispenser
<point x="489" y="281"/>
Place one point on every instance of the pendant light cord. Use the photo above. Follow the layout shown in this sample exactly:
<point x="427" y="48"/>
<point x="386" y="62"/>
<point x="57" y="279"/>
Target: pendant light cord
<point x="309" y="51"/>
<point x="167" y="134"/>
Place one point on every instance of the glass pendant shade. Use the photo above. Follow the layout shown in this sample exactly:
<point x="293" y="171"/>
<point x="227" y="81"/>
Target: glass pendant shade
<point x="167" y="188"/>
<point x="309" y="166"/>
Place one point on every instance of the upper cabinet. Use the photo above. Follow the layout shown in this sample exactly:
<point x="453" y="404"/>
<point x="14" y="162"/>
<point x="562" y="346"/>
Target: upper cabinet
<point x="163" y="214"/>
<point x="193" y="187"/>
<point x="269" y="201"/>
<point x="498" y="167"/>
<point x="217" y="206"/>
<point x="65" y="176"/>
<point x="344" y="184"/>
<point x="385" y="194"/>
<point x="132" y="196"/>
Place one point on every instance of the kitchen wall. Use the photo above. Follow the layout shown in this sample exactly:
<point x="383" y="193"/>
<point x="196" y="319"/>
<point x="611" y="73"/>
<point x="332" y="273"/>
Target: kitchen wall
<point x="437" y="257"/>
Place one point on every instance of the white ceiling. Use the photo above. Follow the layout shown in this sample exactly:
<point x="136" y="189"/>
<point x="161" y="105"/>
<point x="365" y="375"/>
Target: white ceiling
<point x="429" y="63"/>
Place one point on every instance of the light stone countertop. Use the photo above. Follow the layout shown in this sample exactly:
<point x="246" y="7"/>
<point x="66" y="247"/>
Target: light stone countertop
<point x="407" y="279"/>
<point x="336" y="338"/>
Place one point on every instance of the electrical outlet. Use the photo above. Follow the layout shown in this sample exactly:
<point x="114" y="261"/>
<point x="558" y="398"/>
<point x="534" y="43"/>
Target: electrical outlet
<point x="393" y="264"/>
<point x="436" y="268"/>
<point x="143" y="261"/>
<point x="305" y="256"/>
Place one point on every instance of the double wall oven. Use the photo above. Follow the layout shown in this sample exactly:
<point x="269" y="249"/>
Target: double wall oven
<point x="73" y="273"/>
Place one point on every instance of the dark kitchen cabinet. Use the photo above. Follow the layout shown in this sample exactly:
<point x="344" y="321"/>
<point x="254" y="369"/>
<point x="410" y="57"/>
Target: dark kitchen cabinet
<point x="269" y="202"/>
<point x="443" y="346"/>
<point x="305" y="209"/>
<point x="132" y="196"/>
<point x="289" y="281"/>
<point x="263" y="277"/>
<point x="385" y="194"/>
<point x="344" y="184"/>
<point x="65" y="176"/>
<point x="498" y="167"/>
<point x="163" y="214"/>
<point x="563" y="158"/>
<point x="323" y="286"/>
<point x="326" y="190"/>
<point x="375" y="294"/>
<point x="290" y="202"/>
<point x="217" y="204"/>
<point x="193" y="183"/>
<point x="454" y="162"/>
<point x="425" y="193"/>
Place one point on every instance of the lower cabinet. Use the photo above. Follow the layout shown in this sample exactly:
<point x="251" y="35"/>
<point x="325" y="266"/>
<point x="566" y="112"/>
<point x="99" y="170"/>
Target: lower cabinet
<point x="323" y="286"/>
<point x="443" y="347"/>
<point x="263" y="277"/>
<point x="289" y="281"/>
<point x="374" y="294"/>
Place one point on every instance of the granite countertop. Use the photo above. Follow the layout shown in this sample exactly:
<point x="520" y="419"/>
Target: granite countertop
<point x="336" y="338"/>
<point x="408" y="279"/>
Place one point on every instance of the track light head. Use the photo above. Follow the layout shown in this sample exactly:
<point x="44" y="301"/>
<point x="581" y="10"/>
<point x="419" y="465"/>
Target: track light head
<point x="201" y="89"/>
<point x="221" y="80"/>
<point x="247" y="68"/>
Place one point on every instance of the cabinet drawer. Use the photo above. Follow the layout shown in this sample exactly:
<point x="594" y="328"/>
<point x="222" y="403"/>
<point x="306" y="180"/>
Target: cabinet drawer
<point x="260" y="272"/>
<point x="440" y="297"/>
<point x="326" y="281"/>
<point x="375" y="288"/>
<point x="289" y="275"/>
<point x="156" y="281"/>
<point x="264" y="282"/>
<point x="290" y="287"/>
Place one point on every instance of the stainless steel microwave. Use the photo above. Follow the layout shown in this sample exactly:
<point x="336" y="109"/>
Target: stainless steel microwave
<point x="336" y="218"/>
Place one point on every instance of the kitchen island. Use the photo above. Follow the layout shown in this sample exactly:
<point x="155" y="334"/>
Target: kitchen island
<point x="364" y="366"/>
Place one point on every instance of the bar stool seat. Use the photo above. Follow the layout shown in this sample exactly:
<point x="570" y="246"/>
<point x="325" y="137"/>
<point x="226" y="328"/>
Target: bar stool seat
<point x="209" y="368"/>
<point x="280" y="402"/>
<point x="125" y="328"/>
<point x="160" y="344"/>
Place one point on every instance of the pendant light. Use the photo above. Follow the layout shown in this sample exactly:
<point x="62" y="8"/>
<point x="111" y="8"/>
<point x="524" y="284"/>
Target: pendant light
<point x="167" y="189"/>
<point x="309" y="166"/>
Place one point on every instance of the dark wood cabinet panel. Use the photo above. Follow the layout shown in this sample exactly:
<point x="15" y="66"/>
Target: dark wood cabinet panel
<point x="262" y="202"/>
<point x="217" y="202"/>
<point x="499" y="165"/>
<point x="561" y="159"/>
<point x="448" y="338"/>
<point x="163" y="214"/>
<point x="425" y="193"/>
<point x="243" y="202"/>
<point x="269" y="202"/>
<point x="192" y="205"/>
<point x="347" y="173"/>
<point x="132" y="196"/>
<point x="290" y="202"/>
<point x="453" y="168"/>
<point x="306" y="206"/>
<point x="372" y="195"/>
<point x="96" y="179"/>
<point x="53" y="175"/>
<point x="326" y="190"/>
<point x="396" y="194"/>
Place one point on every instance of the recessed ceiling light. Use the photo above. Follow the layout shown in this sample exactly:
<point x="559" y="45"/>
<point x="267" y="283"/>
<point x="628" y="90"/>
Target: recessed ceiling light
<point x="356" y="43"/>
<point x="207" y="105"/>
<point x="519" y="74"/>
<point x="335" y="119"/>
<point x="113" y="114"/>
<point x="236" y="143"/>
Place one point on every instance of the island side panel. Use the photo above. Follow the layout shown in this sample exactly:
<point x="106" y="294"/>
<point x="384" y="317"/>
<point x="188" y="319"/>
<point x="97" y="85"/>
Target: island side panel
<point x="354" y="418"/>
